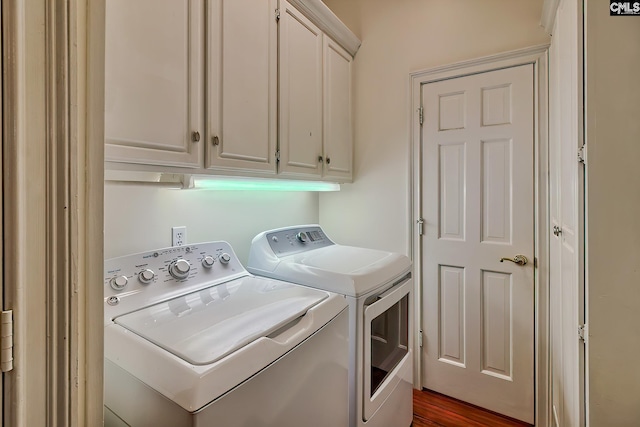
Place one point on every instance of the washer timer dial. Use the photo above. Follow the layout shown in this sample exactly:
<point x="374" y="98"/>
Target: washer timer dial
<point x="179" y="269"/>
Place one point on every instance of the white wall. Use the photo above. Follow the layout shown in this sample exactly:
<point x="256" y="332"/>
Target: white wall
<point x="399" y="37"/>
<point x="613" y="209"/>
<point x="139" y="218"/>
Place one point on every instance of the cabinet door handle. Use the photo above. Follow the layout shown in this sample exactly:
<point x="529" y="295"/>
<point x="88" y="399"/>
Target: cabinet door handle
<point x="328" y="160"/>
<point x="195" y="136"/>
<point x="320" y="159"/>
<point x="216" y="141"/>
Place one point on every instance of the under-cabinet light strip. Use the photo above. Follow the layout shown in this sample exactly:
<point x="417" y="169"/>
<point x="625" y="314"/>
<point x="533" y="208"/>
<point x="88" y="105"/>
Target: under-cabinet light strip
<point x="257" y="184"/>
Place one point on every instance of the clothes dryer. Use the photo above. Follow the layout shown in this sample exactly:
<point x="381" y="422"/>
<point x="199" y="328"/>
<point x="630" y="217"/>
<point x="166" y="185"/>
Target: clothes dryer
<point x="378" y="286"/>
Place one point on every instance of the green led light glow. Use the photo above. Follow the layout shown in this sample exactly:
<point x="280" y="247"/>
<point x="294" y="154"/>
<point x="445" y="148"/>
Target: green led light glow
<point x="257" y="184"/>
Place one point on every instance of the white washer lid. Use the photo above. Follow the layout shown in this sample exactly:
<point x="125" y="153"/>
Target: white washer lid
<point x="204" y="326"/>
<point x="347" y="270"/>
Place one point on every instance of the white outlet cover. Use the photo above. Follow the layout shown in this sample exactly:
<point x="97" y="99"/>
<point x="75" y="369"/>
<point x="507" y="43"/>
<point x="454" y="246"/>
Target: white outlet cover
<point x="179" y="236"/>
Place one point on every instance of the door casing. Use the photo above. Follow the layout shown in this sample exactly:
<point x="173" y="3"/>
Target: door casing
<point x="538" y="56"/>
<point x="52" y="196"/>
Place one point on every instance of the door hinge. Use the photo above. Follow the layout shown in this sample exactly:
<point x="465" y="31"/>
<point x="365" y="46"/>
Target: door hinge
<point x="277" y="15"/>
<point x="420" y="338"/>
<point x="420" y="222"/>
<point x="582" y="333"/>
<point x="421" y="114"/>
<point x="582" y="154"/>
<point x="6" y="340"/>
<point x="277" y="156"/>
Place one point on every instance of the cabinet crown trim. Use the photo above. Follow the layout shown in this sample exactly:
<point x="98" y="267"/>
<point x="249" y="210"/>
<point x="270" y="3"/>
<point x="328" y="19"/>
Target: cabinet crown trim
<point x="548" y="18"/>
<point x="318" y="13"/>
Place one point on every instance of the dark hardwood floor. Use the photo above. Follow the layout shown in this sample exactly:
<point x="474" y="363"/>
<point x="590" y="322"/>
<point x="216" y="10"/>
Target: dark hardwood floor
<point x="431" y="409"/>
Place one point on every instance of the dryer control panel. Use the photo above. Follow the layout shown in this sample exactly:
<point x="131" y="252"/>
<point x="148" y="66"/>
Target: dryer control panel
<point x="288" y="241"/>
<point x="139" y="280"/>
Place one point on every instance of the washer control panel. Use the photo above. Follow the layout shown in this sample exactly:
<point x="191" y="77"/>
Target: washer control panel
<point x="139" y="280"/>
<point x="299" y="239"/>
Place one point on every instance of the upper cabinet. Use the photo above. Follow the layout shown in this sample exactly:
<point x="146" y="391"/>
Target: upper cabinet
<point x="337" y="133"/>
<point x="300" y="94"/>
<point x="315" y="101"/>
<point x="240" y="87"/>
<point x="153" y="81"/>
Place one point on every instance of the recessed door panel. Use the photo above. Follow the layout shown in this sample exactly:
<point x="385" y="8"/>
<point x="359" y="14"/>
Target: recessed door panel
<point x="452" y="315"/>
<point x="496" y="105"/>
<point x="496" y="191"/>
<point x="452" y="111"/>
<point x="496" y="324"/>
<point x="452" y="190"/>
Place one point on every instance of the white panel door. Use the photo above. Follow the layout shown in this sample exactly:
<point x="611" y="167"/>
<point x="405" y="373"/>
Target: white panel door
<point x="338" y="139"/>
<point x="300" y="94"/>
<point x="242" y="85"/>
<point x="564" y="189"/>
<point x="478" y="208"/>
<point x="154" y="81"/>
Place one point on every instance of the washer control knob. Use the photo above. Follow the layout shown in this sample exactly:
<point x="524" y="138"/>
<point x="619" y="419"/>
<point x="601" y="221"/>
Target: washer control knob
<point x="146" y="276"/>
<point x="207" y="261"/>
<point x="302" y="237"/>
<point x="118" y="283"/>
<point x="224" y="258"/>
<point x="180" y="269"/>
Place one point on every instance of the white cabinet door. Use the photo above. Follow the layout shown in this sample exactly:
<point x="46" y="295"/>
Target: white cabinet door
<point x="300" y="94"/>
<point x="338" y="139"/>
<point x="154" y="82"/>
<point x="242" y="85"/>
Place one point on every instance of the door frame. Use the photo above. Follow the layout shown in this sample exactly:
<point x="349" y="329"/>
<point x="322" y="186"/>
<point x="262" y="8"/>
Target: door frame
<point x="53" y="180"/>
<point x="538" y="56"/>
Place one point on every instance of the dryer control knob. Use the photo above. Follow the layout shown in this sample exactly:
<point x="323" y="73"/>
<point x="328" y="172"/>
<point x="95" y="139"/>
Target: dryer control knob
<point x="118" y="283"/>
<point x="180" y="269"/>
<point x="207" y="262"/>
<point x="146" y="276"/>
<point x="302" y="236"/>
<point x="224" y="258"/>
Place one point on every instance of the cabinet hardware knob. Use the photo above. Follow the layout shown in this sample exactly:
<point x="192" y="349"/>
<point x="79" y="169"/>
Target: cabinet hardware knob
<point x="216" y="141"/>
<point x="557" y="230"/>
<point x="328" y="160"/>
<point x="195" y="136"/>
<point x="320" y="159"/>
<point x="518" y="259"/>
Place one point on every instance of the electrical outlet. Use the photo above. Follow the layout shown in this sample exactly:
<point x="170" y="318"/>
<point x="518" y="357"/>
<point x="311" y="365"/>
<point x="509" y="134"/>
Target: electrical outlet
<point x="178" y="236"/>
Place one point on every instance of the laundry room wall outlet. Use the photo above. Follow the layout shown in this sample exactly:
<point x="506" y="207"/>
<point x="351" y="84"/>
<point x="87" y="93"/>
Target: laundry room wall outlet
<point x="178" y="236"/>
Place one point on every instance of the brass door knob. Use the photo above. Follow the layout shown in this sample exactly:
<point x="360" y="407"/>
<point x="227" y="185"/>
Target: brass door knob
<point x="518" y="259"/>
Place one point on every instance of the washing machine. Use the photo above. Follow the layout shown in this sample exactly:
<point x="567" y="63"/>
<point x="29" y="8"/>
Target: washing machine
<point x="378" y="286"/>
<point x="191" y="339"/>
